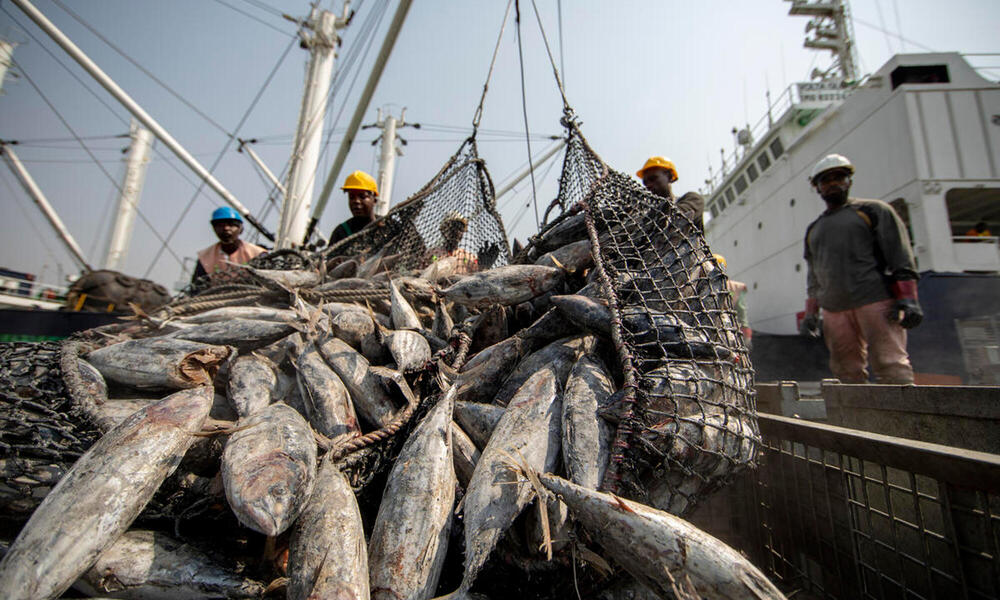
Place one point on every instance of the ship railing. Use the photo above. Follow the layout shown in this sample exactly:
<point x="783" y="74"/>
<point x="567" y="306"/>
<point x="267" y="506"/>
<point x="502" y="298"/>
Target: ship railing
<point x="776" y="110"/>
<point x="843" y="513"/>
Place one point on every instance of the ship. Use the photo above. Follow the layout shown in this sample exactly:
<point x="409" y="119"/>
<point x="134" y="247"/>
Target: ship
<point x="923" y="131"/>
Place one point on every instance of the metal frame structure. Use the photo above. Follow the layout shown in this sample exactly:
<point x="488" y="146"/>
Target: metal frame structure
<point x="842" y="513"/>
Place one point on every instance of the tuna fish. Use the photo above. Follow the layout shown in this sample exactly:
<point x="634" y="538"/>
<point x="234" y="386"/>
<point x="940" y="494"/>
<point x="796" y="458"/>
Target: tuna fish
<point x="252" y="384"/>
<point x="227" y="313"/>
<point x="327" y="557"/>
<point x="409" y="349"/>
<point x="410" y="538"/>
<point x="478" y="420"/>
<point x="370" y="399"/>
<point x="585" y="312"/>
<point x="465" y="453"/>
<point x="100" y="496"/>
<point x="149" y="564"/>
<point x="572" y="257"/>
<point x="586" y="437"/>
<point x="245" y="334"/>
<point x="496" y="494"/>
<point x="352" y="326"/>
<point x="324" y="396"/>
<point x="268" y="468"/>
<point x="659" y="549"/>
<point x="511" y="284"/>
<point x="558" y="357"/>
<point x="159" y="362"/>
<point x="403" y="315"/>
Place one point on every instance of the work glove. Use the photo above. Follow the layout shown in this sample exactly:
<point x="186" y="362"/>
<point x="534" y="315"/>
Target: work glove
<point x="906" y="311"/>
<point x="812" y="324"/>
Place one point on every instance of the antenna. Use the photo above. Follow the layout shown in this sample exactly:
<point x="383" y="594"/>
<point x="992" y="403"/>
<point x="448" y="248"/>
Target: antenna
<point x="831" y="30"/>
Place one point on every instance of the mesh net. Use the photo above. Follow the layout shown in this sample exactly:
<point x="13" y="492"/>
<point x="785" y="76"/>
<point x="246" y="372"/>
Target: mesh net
<point x="688" y="417"/>
<point x="453" y="215"/>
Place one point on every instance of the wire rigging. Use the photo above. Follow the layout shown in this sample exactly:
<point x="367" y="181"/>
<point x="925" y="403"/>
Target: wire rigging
<point x="477" y="117"/>
<point x="102" y="101"/>
<point x="524" y="109"/>
<point x="255" y="18"/>
<point x="229" y="141"/>
<point x="89" y="153"/>
<point x="144" y="70"/>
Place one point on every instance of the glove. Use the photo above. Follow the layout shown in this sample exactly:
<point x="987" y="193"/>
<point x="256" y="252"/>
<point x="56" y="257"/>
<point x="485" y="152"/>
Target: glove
<point x="747" y="337"/>
<point x="811" y="325"/>
<point x="907" y="311"/>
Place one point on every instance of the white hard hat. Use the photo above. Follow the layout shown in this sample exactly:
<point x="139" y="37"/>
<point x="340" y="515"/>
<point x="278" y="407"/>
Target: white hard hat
<point x="830" y="162"/>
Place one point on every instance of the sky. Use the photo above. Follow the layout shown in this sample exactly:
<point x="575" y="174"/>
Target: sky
<point x="645" y="78"/>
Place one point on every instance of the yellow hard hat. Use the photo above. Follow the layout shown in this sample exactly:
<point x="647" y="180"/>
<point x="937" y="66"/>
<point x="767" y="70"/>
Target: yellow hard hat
<point x="661" y="162"/>
<point x="720" y="259"/>
<point x="359" y="180"/>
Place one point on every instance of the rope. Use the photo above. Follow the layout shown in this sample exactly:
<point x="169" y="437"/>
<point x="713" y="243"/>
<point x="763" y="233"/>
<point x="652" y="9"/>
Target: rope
<point x="76" y="389"/>
<point x="555" y="71"/>
<point x="486" y="85"/>
<point x="524" y="110"/>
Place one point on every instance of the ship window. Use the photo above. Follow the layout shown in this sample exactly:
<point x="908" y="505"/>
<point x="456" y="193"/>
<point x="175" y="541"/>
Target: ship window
<point x="752" y="172"/>
<point x="798" y="267"/>
<point x="776" y="148"/>
<point x="763" y="161"/>
<point x="714" y="209"/>
<point x="760" y="225"/>
<point x="920" y="74"/>
<point x="741" y="184"/>
<point x="791" y="202"/>
<point x="730" y="195"/>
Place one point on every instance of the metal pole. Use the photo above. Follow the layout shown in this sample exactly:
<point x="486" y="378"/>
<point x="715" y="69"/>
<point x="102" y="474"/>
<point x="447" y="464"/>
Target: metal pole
<point x="359" y="111"/>
<point x="260" y="164"/>
<point x="527" y="171"/>
<point x="102" y="78"/>
<point x="128" y="200"/>
<point x="6" y="52"/>
<point x="387" y="163"/>
<point x="36" y="194"/>
<point x="308" y="136"/>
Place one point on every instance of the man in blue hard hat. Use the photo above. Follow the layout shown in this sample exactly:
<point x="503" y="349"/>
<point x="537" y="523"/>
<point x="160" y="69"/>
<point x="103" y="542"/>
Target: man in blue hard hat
<point x="219" y="257"/>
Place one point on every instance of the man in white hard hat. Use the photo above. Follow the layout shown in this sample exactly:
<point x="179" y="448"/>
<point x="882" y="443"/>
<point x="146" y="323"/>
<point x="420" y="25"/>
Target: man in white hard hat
<point x="658" y="174"/>
<point x="862" y="274"/>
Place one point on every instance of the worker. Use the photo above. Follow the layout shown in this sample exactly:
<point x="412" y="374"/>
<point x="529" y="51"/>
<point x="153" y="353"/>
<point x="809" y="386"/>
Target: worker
<point x="229" y="251"/>
<point x="980" y="230"/>
<point x="362" y="192"/>
<point x="658" y="174"/>
<point x="453" y="228"/>
<point x="862" y="274"/>
<point x="738" y="290"/>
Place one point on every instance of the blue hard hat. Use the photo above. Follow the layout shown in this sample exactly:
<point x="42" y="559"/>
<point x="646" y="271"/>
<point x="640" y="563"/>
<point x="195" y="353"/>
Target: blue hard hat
<point x="226" y="213"/>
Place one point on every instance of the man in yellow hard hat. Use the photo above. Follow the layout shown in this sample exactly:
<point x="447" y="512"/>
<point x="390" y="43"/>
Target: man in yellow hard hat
<point x="362" y="191"/>
<point x="657" y="175"/>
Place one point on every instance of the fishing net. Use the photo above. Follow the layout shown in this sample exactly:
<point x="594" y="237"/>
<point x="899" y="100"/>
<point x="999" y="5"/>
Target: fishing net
<point x="687" y="421"/>
<point x="453" y="215"/>
<point x="277" y="260"/>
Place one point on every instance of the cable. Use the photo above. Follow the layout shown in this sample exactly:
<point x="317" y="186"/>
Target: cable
<point x="265" y="7"/>
<point x="881" y="20"/>
<point x="524" y="107"/>
<point x="34" y="142"/>
<point x="907" y="40"/>
<point x="145" y="71"/>
<point x="562" y="63"/>
<point x="899" y="25"/>
<point x="259" y="20"/>
<point x="486" y="85"/>
<point x="87" y="150"/>
<point x="229" y="141"/>
<point x="24" y="213"/>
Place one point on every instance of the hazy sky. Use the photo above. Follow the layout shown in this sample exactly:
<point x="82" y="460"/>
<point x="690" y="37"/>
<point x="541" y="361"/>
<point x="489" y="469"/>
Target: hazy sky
<point x="653" y="77"/>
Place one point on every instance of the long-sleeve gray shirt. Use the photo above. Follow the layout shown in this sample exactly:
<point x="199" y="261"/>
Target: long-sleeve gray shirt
<point x="854" y="252"/>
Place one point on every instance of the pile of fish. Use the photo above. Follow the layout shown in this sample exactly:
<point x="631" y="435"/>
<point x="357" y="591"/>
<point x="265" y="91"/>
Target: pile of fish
<point x="497" y="387"/>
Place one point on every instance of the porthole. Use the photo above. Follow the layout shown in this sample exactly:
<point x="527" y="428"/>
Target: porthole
<point x="760" y="225"/>
<point x="735" y="242"/>
<point x="798" y="267"/>
<point x="755" y="285"/>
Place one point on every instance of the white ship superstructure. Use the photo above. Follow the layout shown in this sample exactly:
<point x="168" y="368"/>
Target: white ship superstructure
<point x="924" y="133"/>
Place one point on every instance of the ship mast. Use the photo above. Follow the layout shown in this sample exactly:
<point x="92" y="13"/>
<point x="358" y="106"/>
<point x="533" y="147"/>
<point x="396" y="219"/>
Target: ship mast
<point x="831" y="30"/>
<point x="128" y="197"/>
<point x="387" y="157"/>
<point x="322" y="43"/>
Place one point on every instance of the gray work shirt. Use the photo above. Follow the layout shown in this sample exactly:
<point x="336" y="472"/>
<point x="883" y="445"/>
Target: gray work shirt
<point x="854" y="252"/>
